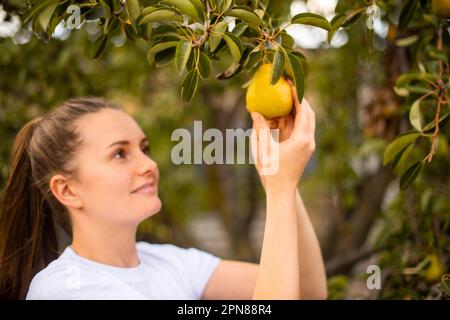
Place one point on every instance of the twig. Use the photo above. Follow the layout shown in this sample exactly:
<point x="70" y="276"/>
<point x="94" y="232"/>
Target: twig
<point x="334" y="266"/>
<point x="441" y="97"/>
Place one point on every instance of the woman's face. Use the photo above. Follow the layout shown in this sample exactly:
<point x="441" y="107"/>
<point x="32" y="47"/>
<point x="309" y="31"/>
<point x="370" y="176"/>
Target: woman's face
<point x="113" y="162"/>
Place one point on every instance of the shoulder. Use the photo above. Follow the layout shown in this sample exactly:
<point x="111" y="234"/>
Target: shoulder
<point x="191" y="262"/>
<point x="51" y="282"/>
<point x="64" y="279"/>
<point x="192" y="267"/>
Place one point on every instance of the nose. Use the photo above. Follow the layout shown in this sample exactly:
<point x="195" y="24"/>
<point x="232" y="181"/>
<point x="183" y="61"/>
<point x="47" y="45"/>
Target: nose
<point x="147" y="165"/>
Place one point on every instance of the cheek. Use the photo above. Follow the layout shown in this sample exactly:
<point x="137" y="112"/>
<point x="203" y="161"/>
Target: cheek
<point x="106" y="186"/>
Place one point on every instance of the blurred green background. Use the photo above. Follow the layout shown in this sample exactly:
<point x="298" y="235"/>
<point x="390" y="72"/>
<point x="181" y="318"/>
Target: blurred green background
<point x="360" y="215"/>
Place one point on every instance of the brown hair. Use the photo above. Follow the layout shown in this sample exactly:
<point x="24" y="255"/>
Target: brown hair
<point x="29" y="212"/>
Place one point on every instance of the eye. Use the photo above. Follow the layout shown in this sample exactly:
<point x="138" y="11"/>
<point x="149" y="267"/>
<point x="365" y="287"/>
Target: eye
<point x="119" y="152"/>
<point x="146" y="150"/>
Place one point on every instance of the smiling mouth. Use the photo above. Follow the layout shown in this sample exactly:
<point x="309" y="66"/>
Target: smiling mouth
<point x="147" y="189"/>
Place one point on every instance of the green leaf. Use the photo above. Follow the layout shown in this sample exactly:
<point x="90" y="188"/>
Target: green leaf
<point x="215" y="37"/>
<point x="335" y="23"/>
<point x="253" y="60"/>
<point x="415" y="116"/>
<point x="245" y="15"/>
<point x="36" y="9"/>
<point x="398" y="145"/>
<point x="200" y="7"/>
<point x="182" y="55"/>
<point x="239" y="29"/>
<point x="401" y="160"/>
<point x="185" y="6"/>
<point x="105" y="7"/>
<point x="157" y="48"/>
<point x="311" y="19"/>
<point x="130" y="32"/>
<point x="133" y="9"/>
<point x="407" y="41"/>
<point x="99" y="46"/>
<point x="204" y="66"/>
<point x="352" y="18"/>
<point x="161" y="15"/>
<point x="278" y="66"/>
<point x="295" y="69"/>
<point x="230" y="72"/>
<point x="286" y="40"/>
<point x="164" y="57"/>
<point x="212" y="4"/>
<point x="225" y="4"/>
<point x="190" y="85"/>
<point x="432" y="124"/>
<point x="46" y="15"/>
<point x="149" y="10"/>
<point x="235" y="46"/>
<point x="406" y="78"/>
<point x="111" y="25"/>
<point x="96" y="13"/>
<point x="411" y="174"/>
<point x="438" y="55"/>
<point x="344" y="20"/>
<point x="407" y="13"/>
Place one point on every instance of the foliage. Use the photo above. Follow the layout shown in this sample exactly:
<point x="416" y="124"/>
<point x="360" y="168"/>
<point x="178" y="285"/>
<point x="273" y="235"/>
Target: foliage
<point x="191" y="40"/>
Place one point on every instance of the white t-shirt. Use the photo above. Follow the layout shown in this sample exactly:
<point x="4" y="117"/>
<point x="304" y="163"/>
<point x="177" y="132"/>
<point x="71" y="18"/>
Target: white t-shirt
<point x="165" y="272"/>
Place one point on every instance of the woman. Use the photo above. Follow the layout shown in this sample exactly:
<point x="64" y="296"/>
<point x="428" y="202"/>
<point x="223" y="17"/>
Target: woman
<point x="85" y="167"/>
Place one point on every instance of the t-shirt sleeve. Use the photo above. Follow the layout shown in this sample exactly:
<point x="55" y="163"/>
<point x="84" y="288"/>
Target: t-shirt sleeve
<point x="49" y="287"/>
<point x="201" y="267"/>
<point x="195" y="267"/>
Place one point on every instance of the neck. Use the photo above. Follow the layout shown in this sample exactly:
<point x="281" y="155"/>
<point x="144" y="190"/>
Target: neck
<point x="114" y="246"/>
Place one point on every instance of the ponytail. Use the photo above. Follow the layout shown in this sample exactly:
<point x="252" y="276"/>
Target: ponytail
<point x="27" y="232"/>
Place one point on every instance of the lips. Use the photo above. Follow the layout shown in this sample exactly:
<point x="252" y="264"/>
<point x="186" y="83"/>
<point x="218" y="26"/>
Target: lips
<point x="147" y="188"/>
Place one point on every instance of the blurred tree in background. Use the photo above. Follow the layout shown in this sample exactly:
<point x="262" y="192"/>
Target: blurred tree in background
<point x="378" y="186"/>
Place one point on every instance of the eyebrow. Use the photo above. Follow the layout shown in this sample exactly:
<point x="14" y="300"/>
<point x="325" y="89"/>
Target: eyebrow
<point x="126" y="142"/>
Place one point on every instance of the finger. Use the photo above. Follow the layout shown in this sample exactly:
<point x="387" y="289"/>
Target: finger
<point x="264" y="137"/>
<point x="294" y="95"/>
<point x="302" y="122"/>
<point x="297" y="105"/>
<point x="273" y="123"/>
<point x="254" y="148"/>
<point x="259" y="120"/>
<point x="260" y="126"/>
<point x="312" y="117"/>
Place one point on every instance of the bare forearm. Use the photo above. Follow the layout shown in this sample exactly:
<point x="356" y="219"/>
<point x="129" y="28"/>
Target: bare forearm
<point x="278" y="274"/>
<point x="312" y="271"/>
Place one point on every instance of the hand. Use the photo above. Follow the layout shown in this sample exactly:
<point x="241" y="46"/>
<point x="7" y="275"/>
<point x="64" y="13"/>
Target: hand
<point x="285" y="124"/>
<point x="295" y="146"/>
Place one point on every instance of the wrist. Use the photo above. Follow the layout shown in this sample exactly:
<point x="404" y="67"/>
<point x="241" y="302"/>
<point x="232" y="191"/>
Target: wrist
<point x="280" y="190"/>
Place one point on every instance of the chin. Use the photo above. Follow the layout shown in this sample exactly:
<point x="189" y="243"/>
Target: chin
<point x="154" y="208"/>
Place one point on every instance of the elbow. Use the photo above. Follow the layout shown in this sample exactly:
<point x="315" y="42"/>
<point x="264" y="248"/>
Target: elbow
<point x="317" y="295"/>
<point x="320" y="293"/>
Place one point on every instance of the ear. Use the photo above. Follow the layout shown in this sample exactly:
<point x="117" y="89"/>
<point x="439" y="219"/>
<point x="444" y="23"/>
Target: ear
<point x="61" y="189"/>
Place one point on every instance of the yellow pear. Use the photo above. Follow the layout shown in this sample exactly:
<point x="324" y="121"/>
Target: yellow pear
<point x="271" y="101"/>
<point x="435" y="270"/>
<point x="441" y="8"/>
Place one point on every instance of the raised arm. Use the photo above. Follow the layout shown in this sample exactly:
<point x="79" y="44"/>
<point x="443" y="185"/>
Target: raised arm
<point x="289" y="241"/>
<point x="291" y="265"/>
